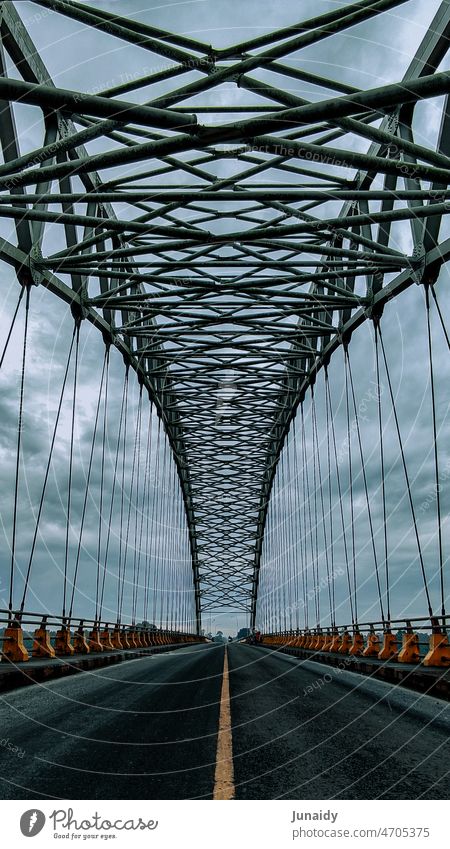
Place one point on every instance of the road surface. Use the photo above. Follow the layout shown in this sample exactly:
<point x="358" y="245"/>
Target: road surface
<point x="148" y="729"/>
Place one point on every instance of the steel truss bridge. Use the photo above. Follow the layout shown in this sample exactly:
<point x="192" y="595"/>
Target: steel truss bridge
<point x="227" y="236"/>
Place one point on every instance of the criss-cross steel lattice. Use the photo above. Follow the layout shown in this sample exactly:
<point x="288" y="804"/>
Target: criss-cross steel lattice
<point x="239" y="238"/>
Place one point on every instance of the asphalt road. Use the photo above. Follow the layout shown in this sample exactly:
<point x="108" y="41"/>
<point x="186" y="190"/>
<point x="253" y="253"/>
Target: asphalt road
<point x="305" y="731"/>
<point x="148" y="728"/>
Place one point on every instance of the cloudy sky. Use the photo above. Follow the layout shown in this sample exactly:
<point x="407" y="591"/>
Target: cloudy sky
<point x="368" y="55"/>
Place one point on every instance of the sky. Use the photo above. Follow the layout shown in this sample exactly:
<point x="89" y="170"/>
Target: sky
<point x="366" y="56"/>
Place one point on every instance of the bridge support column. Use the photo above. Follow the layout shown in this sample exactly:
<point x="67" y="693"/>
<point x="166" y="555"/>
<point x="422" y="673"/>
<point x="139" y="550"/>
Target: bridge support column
<point x="80" y="643"/>
<point x="346" y="643"/>
<point x="63" y="646"/>
<point x="42" y="646"/>
<point x="410" y="647"/>
<point x="357" y="646"/>
<point x="328" y="642"/>
<point x="124" y="639"/>
<point x="336" y="642"/>
<point x="439" y="651"/>
<point x="390" y="647"/>
<point x="105" y="639"/>
<point x="373" y="647"/>
<point x="115" y="638"/>
<point x="13" y="645"/>
<point x="319" y="642"/>
<point x="131" y="636"/>
<point x="145" y="639"/>
<point x="298" y="640"/>
<point x="94" y="640"/>
<point x="137" y="639"/>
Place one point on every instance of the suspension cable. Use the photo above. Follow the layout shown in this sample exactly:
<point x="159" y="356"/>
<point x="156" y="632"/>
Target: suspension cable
<point x="18" y="452"/>
<point x="47" y="471"/>
<point x="154" y="516"/>
<point x="350" y="486"/>
<point x="140" y="524"/>
<point x="136" y="509"/>
<point x="322" y="502"/>
<point x="160" y="571"/>
<point x="366" y="489"/>
<point x="86" y="490"/>
<point x="102" y="480"/>
<point x="341" y="505"/>
<point x="120" y="576"/>
<point x="69" y="487"/>
<point x="298" y="525"/>
<point x="111" y="506"/>
<point x="308" y="516"/>
<point x="441" y="317"/>
<point x="22" y="289"/>
<point x="435" y="448"/>
<point x="130" y="501"/>
<point x="316" y="518"/>
<point x="330" y="507"/>
<point x="282" y="546"/>
<point x="383" y="479"/>
<point x="147" y="523"/>
<point x="405" y="469"/>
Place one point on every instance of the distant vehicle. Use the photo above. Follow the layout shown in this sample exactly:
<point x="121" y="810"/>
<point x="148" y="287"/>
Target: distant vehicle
<point x="230" y="639"/>
<point x="255" y="638"/>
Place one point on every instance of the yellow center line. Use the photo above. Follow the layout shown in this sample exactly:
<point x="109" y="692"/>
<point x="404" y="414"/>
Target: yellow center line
<point x="224" y="775"/>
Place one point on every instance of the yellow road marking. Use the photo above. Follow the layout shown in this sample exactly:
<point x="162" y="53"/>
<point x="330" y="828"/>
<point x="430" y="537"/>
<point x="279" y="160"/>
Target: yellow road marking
<point x="224" y="775"/>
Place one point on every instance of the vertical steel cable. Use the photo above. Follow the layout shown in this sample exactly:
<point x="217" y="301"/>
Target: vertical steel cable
<point x="18" y="452"/>
<point x="405" y="470"/>
<point x="154" y="515"/>
<point x="435" y="449"/>
<point x="143" y="513"/>
<point x="350" y="486"/>
<point x="341" y="505"/>
<point x="11" y="328"/>
<point x="291" y="532"/>
<point x="383" y="478"/>
<point x="136" y="509"/>
<point x="86" y="490"/>
<point x="270" y="566"/>
<point x="166" y="515"/>
<point x="122" y="494"/>
<point x="147" y="520"/>
<point x="282" y="613"/>
<point x="366" y="489"/>
<point x="69" y="491"/>
<point x="307" y="516"/>
<point x="102" y="479"/>
<point x="113" y="490"/>
<point x="441" y="317"/>
<point x="330" y="507"/>
<point x="322" y="503"/>
<point x="130" y="500"/>
<point x="174" y="553"/>
<point x="47" y="471"/>
<point x="296" y="527"/>
<point x="315" y="556"/>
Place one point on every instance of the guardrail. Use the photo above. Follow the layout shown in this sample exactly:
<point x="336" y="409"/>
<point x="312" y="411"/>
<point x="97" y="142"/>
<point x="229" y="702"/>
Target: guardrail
<point x="364" y="640"/>
<point x="29" y="635"/>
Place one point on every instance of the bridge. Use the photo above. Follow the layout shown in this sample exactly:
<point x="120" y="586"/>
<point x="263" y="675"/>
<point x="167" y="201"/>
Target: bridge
<point x="224" y="368"/>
